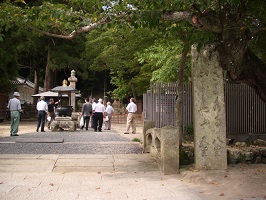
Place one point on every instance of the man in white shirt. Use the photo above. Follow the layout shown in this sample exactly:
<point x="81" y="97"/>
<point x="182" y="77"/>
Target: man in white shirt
<point x="109" y="112"/>
<point x="131" y="110"/>
<point x="42" y="108"/>
<point x="98" y="113"/>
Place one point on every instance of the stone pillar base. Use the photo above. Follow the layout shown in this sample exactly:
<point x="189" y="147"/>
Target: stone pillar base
<point x="163" y="145"/>
<point x="63" y="124"/>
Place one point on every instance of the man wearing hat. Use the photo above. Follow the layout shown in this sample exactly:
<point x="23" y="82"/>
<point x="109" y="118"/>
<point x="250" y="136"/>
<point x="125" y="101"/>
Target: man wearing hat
<point x="14" y="107"/>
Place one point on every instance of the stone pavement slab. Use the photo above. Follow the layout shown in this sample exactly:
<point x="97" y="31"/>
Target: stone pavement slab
<point x="79" y="142"/>
<point x="38" y="140"/>
<point x="94" y="177"/>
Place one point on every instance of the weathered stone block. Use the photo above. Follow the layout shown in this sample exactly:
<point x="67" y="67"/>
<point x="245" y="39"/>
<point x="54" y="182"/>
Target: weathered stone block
<point x="233" y="156"/>
<point x="63" y="118"/>
<point x="209" y="109"/>
<point x="260" y="142"/>
<point x="263" y="151"/>
<point x="163" y="145"/>
<point x="153" y="144"/>
<point x="170" y="150"/>
<point x="147" y="125"/>
<point x="57" y="125"/>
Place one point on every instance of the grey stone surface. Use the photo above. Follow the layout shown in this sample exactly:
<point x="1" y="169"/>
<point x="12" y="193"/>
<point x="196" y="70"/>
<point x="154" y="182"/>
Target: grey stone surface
<point x="126" y="178"/>
<point x="63" y="118"/>
<point x="72" y="83"/>
<point x="63" y="124"/>
<point x="38" y="140"/>
<point x="163" y="145"/>
<point x="209" y="109"/>
<point x="170" y="150"/>
<point x="147" y="125"/>
<point x="78" y="142"/>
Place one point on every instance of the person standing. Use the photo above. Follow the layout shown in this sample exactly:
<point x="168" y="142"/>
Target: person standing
<point x="14" y="106"/>
<point x="86" y="113"/>
<point x="93" y="102"/>
<point x="42" y="108"/>
<point x="98" y="113"/>
<point x="51" y="111"/>
<point x="131" y="110"/>
<point x="109" y="112"/>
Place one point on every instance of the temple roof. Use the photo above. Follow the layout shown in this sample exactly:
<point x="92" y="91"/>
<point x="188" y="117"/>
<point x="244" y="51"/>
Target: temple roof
<point x="23" y="81"/>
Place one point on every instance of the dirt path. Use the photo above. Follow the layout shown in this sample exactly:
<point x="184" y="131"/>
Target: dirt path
<point x="238" y="182"/>
<point x="30" y="126"/>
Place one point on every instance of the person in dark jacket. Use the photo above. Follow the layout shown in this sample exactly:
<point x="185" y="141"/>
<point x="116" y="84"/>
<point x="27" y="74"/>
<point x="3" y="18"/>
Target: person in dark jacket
<point x="86" y="113"/>
<point x="51" y="112"/>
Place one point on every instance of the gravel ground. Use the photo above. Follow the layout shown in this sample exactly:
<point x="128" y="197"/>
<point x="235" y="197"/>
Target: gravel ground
<point x="78" y="142"/>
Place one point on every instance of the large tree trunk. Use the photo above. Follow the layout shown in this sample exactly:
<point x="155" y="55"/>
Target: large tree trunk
<point x="133" y="92"/>
<point x="229" y="24"/>
<point x="36" y="66"/>
<point x="179" y="102"/>
<point x="242" y="64"/>
<point x="49" y="74"/>
<point x="253" y="73"/>
<point x="36" y="83"/>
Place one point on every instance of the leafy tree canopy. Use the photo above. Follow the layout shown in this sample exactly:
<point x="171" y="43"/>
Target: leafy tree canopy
<point x="236" y="26"/>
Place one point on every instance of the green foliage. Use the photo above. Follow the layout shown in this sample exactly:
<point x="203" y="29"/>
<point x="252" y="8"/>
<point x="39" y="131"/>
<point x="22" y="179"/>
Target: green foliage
<point x="136" y="48"/>
<point x="189" y="133"/>
<point x="189" y="130"/>
<point x="136" y="140"/>
<point x="114" y="50"/>
<point x="9" y="63"/>
<point x="162" y="59"/>
<point x="185" y="155"/>
<point x="32" y="46"/>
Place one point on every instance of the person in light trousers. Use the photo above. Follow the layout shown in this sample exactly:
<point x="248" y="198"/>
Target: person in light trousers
<point x="109" y="112"/>
<point x="14" y="107"/>
<point x="131" y="110"/>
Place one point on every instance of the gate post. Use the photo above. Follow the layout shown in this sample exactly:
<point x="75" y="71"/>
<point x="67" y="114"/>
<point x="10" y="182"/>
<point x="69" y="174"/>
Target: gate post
<point x="209" y="109"/>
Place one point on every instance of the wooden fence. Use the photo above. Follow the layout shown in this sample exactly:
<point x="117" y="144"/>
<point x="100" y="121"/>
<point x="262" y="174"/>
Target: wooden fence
<point x="245" y="111"/>
<point x="122" y="118"/>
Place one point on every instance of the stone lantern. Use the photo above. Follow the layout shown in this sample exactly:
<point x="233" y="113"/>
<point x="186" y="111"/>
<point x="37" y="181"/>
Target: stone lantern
<point x="64" y="112"/>
<point x="72" y="83"/>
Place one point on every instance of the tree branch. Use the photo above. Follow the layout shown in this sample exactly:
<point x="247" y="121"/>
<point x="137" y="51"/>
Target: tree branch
<point x="203" y="22"/>
<point x="75" y="33"/>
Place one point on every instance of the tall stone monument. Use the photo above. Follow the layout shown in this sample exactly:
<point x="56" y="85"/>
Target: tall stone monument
<point x="209" y="109"/>
<point x="72" y="83"/>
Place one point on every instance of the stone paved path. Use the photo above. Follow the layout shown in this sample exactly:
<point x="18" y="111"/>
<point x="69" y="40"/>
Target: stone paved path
<point x="80" y="142"/>
<point x="108" y="165"/>
<point x="83" y="165"/>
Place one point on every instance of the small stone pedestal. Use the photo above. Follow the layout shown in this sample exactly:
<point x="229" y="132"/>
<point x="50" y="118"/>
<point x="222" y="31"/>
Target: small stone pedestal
<point x="62" y="123"/>
<point x="163" y="145"/>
